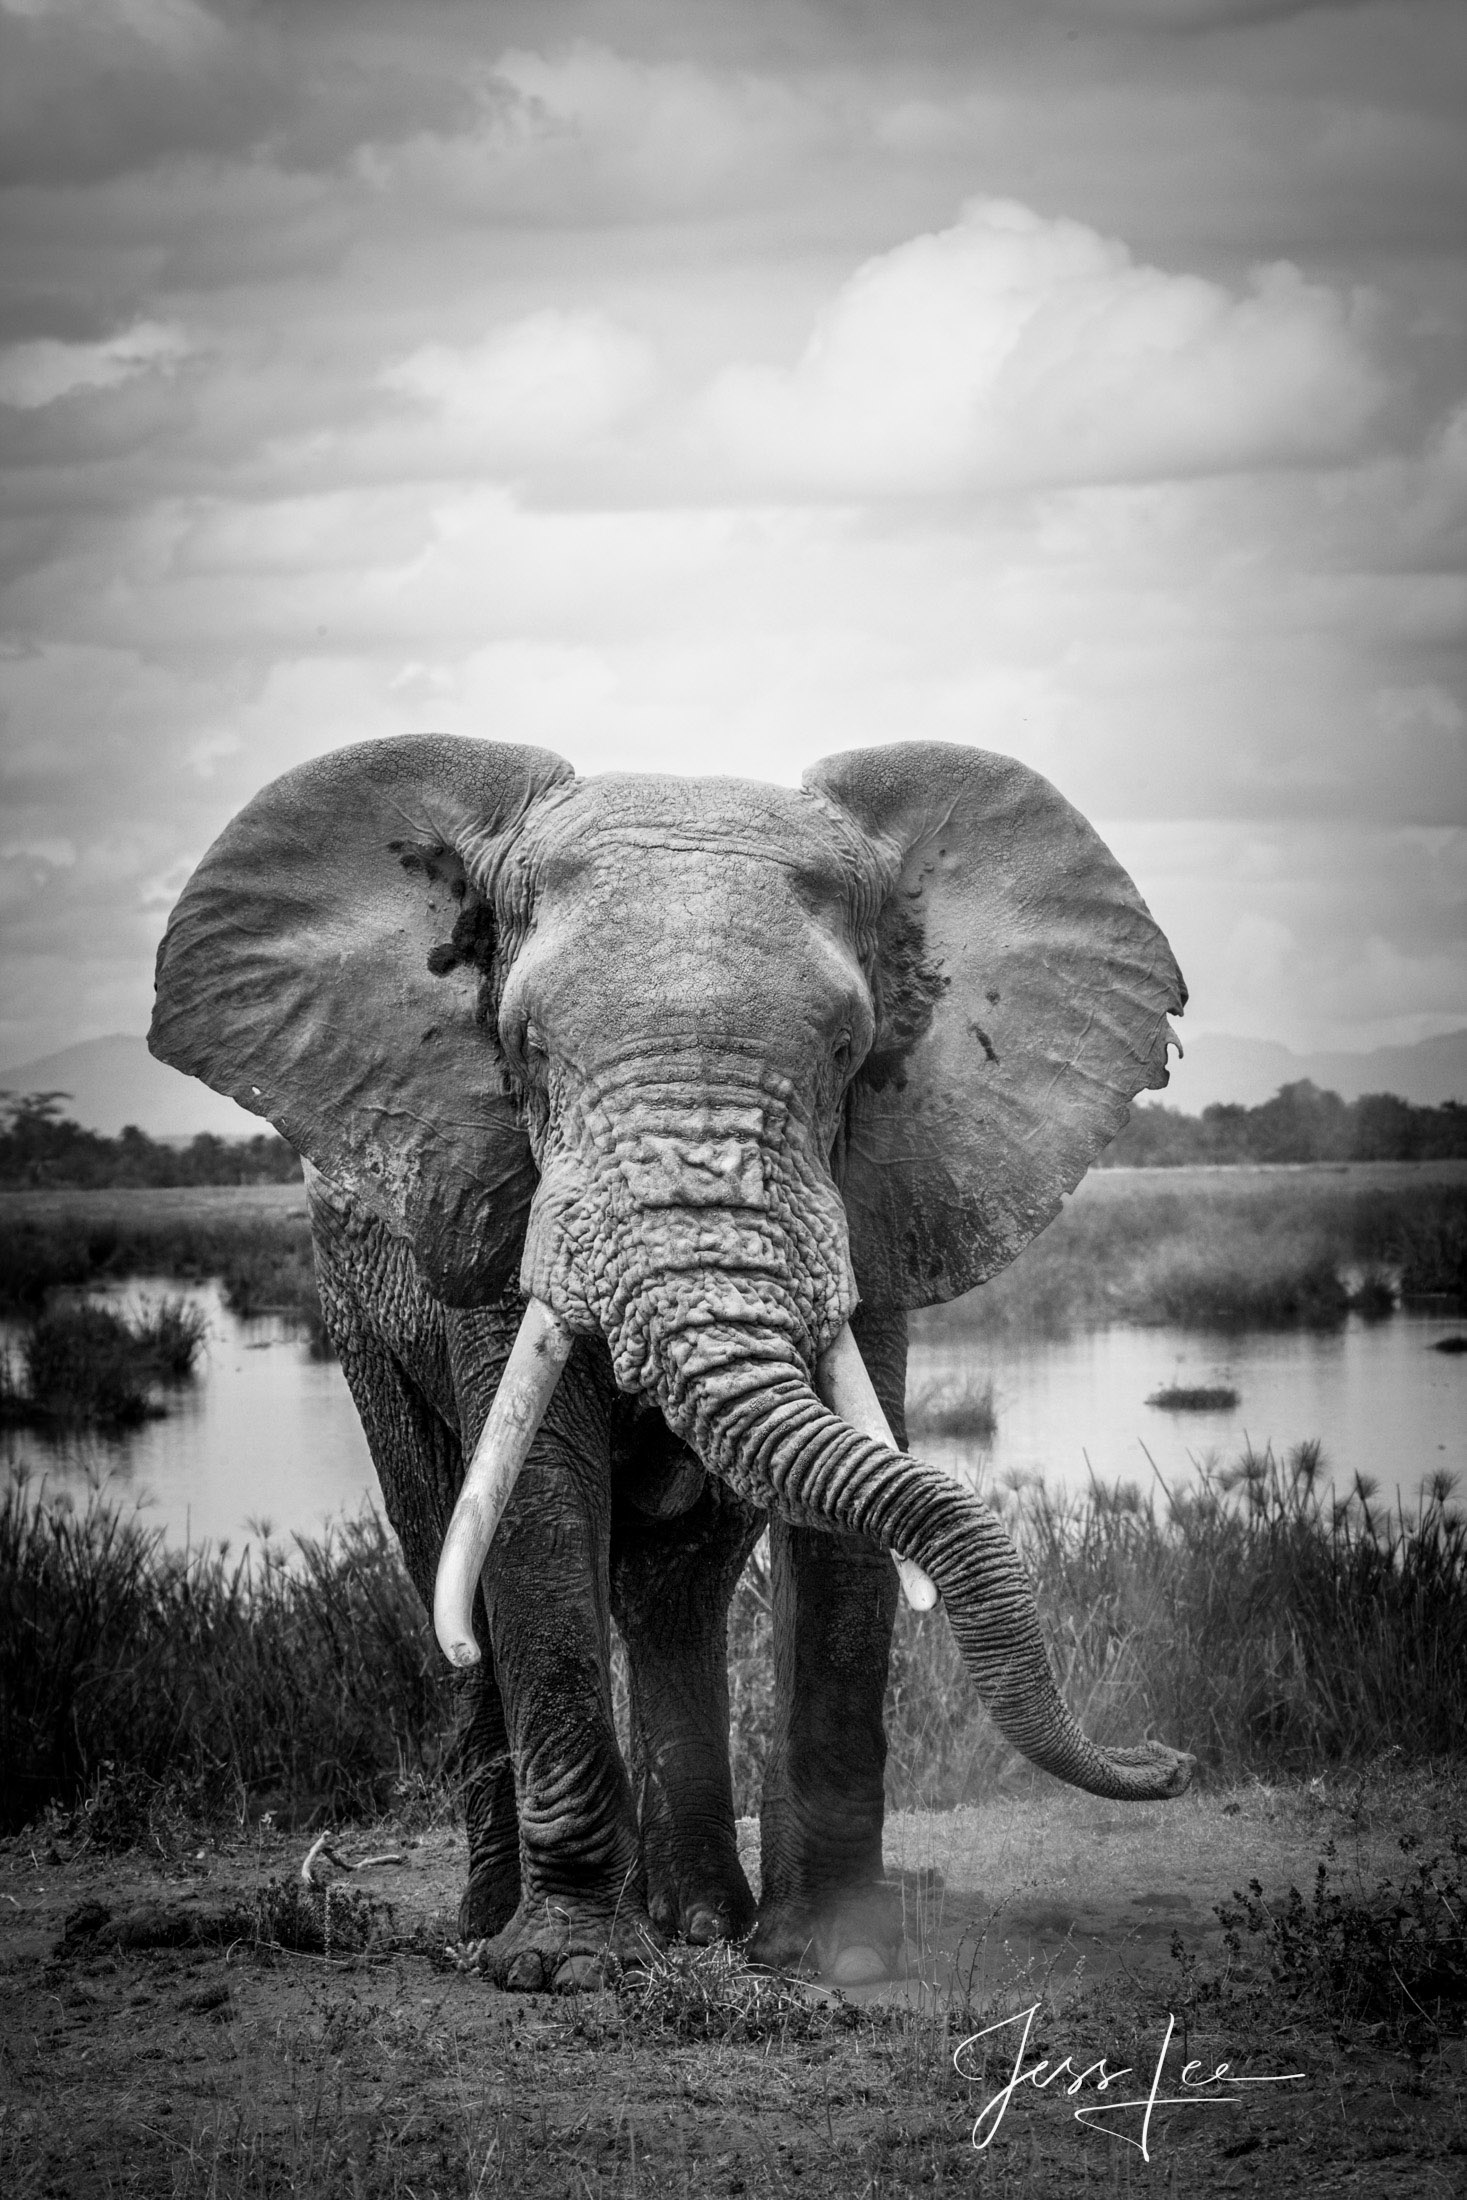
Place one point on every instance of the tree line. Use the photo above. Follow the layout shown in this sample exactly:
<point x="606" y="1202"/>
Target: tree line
<point x="40" y="1146"/>
<point x="1300" y="1123"/>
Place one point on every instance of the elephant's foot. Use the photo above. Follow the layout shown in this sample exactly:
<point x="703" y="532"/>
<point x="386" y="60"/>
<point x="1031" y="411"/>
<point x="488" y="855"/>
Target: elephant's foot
<point x="851" y="1937"/>
<point x="701" y="1903"/>
<point x="562" y="1947"/>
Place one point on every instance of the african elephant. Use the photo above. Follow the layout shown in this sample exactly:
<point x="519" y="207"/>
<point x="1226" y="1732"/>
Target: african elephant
<point x="638" y="1111"/>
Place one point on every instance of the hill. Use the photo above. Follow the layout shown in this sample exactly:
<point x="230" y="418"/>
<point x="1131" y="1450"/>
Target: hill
<point x="115" y="1081"/>
<point x="1219" y="1068"/>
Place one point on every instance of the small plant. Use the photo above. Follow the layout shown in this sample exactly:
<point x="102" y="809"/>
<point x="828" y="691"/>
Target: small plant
<point x="954" y="1408"/>
<point x="172" y="1332"/>
<point x="1393" y="1957"/>
<point x="713" y="1994"/>
<point x="1195" y="1398"/>
<point x="1373" y="1294"/>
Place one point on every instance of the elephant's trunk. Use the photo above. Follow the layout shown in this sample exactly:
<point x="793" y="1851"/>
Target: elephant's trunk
<point x="754" y="1419"/>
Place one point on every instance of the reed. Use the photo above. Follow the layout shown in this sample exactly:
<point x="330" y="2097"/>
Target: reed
<point x="263" y="1260"/>
<point x="90" y="1366"/>
<point x="1254" y="1619"/>
<point x="308" y="1680"/>
<point x="1225" y="1250"/>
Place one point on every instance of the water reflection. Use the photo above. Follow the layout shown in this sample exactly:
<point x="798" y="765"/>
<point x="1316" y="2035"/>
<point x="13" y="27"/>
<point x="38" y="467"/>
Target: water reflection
<point x="1379" y="1400"/>
<point x="262" y="1432"/>
<point x="266" y="1432"/>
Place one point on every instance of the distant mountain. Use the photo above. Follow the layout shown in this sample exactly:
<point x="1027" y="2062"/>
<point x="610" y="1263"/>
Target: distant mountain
<point x="1250" y="1071"/>
<point x="115" y="1081"/>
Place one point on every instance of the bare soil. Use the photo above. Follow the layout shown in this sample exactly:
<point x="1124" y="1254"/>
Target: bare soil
<point x="225" y="2065"/>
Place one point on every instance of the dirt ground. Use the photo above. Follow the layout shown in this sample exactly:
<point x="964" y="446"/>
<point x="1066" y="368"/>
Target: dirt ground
<point x="225" y="2065"/>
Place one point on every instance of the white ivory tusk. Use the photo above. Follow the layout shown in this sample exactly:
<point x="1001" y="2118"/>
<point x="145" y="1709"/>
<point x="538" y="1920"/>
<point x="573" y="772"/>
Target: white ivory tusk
<point x="844" y="1385"/>
<point x="525" y="1389"/>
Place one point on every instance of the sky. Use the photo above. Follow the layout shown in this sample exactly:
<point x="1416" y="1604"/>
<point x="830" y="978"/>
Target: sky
<point x="711" y="387"/>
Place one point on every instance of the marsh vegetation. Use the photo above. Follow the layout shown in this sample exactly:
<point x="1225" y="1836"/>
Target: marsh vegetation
<point x="1257" y="1620"/>
<point x="83" y="1366"/>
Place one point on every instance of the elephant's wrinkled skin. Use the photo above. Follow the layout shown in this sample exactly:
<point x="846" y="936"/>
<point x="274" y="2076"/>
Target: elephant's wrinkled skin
<point x="694" y="1064"/>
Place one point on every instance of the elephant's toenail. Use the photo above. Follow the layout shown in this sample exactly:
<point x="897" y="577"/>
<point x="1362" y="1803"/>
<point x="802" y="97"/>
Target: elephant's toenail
<point x="526" y="1973"/>
<point x="858" y="1966"/>
<point x="578" y="1975"/>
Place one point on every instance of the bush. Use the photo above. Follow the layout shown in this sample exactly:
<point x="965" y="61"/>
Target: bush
<point x="1393" y="1957"/>
<point x="86" y="1366"/>
<point x="83" y="1366"/>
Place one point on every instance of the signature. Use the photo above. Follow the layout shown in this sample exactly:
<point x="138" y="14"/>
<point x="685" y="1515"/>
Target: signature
<point x="1043" y="2074"/>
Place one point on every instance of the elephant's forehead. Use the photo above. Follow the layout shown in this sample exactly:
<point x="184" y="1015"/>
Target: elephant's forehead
<point x="725" y="818"/>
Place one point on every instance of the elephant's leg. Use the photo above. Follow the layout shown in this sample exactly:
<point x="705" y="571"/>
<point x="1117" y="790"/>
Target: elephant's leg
<point x="546" y="1589"/>
<point x="823" y="1902"/>
<point x="671" y="1581"/>
<point x="419" y="1466"/>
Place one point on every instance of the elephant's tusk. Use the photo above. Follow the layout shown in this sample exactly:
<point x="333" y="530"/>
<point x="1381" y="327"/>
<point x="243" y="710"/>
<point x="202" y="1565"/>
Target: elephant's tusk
<point x="844" y="1385"/>
<point x="525" y="1389"/>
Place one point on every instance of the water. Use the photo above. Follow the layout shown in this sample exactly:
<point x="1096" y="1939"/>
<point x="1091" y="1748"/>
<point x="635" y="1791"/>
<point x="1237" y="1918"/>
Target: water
<point x="266" y="1433"/>
<point x="1381" y="1402"/>
<point x="262" y="1433"/>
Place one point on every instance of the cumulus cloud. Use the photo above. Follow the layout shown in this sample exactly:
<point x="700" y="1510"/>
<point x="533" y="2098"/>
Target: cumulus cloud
<point x="1012" y="350"/>
<point x="537" y="389"/>
<point x="37" y="374"/>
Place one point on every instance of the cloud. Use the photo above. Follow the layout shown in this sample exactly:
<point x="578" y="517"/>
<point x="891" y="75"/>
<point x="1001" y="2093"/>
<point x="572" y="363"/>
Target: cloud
<point x="37" y="374"/>
<point x="1012" y="350"/>
<point x="537" y="389"/>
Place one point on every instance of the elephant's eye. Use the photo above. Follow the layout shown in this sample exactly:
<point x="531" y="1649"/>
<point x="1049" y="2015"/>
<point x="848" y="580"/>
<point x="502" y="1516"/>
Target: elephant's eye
<point x="841" y="1055"/>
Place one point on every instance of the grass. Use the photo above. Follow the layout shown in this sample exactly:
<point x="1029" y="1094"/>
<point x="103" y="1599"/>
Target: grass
<point x="1254" y="1620"/>
<point x="87" y="1366"/>
<point x="954" y="1407"/>
<point x="131" y="1674"/>
<point x="257" y="1246"/>
<point x="1195" y="1398"/>
<point x="1222" y="1249"/>
<point x="1227" y="1249"/>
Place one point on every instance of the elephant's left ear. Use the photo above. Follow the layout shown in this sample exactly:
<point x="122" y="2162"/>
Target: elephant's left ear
<point x="329" y="966"/>
<point x="1023" y="990"/>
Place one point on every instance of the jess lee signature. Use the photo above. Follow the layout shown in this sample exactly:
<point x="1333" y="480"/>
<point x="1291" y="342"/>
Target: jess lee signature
<point x="1041" y="2075"/>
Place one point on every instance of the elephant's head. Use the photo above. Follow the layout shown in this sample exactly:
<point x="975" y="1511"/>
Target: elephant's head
<point x="700" y="1061"/>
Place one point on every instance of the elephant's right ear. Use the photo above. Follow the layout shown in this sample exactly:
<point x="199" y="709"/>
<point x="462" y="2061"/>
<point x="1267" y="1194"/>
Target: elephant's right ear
<point x="1023" y="990"/>
<point x="326" y="967"/>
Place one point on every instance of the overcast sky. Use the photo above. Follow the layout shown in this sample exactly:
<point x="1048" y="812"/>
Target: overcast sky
<point x="711" y="387"/>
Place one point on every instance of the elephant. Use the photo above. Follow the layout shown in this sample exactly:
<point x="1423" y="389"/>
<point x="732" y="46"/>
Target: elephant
<point x="637" y="1113"/>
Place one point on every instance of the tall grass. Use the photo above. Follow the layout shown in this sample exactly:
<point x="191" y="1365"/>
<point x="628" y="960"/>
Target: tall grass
<point x="1223" y="1250"/>
<point x="263" y="1261"/>
<point x="1253" y="1619"/>
<point x="87" y="1366"/>
<point x="316" y="1683"/>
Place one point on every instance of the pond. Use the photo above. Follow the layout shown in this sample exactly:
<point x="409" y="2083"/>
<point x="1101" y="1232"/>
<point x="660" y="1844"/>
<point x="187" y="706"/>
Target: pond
<point x="264" y="1433"/>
